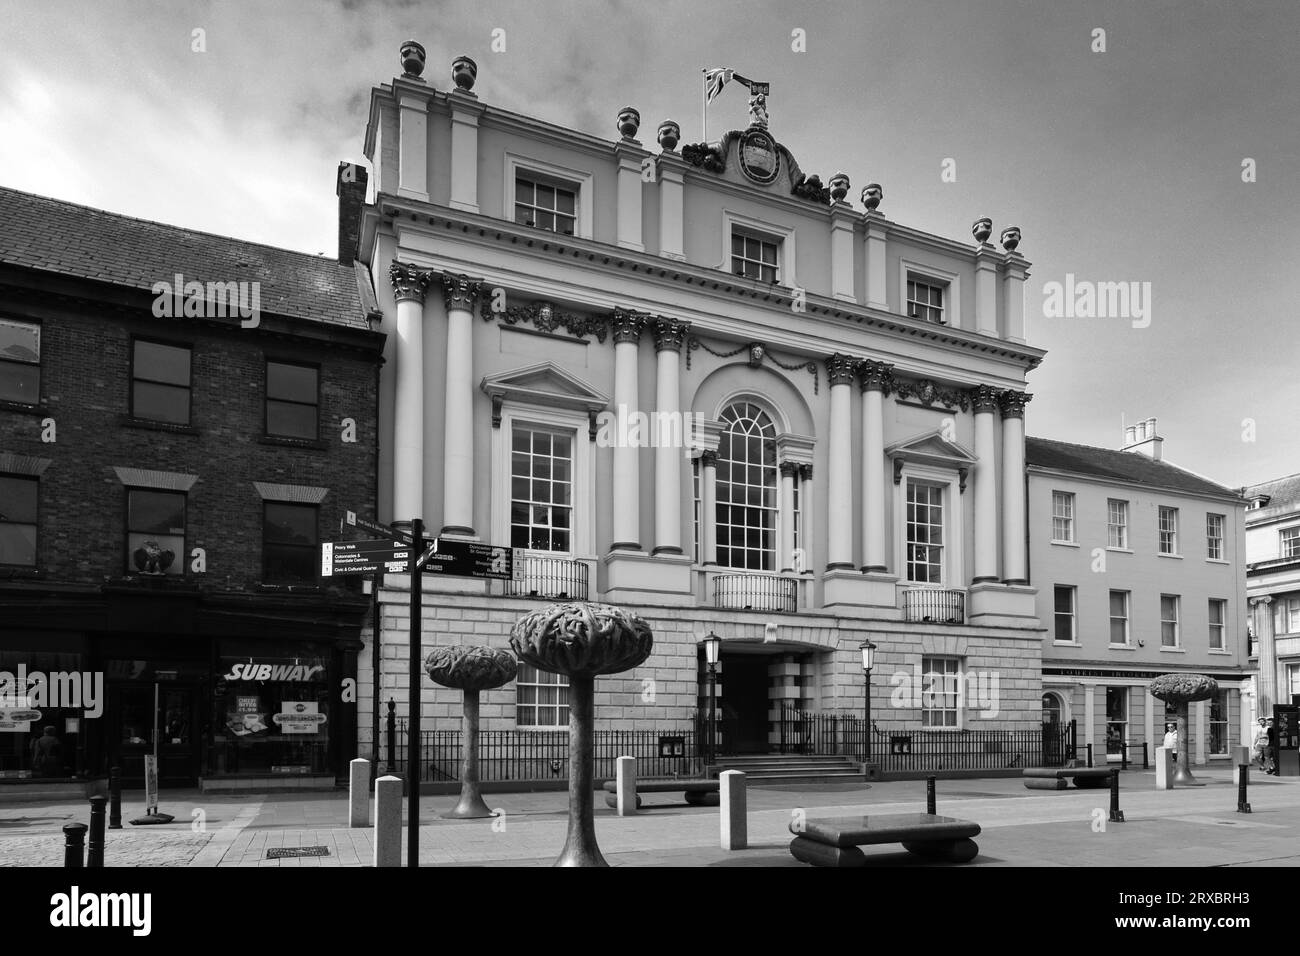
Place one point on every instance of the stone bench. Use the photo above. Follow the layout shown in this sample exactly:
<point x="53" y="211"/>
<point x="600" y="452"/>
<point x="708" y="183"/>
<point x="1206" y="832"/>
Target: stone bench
<point x="834" y="841"/>
<point x="1058" y="778"/>
<point x="698" y="793"/>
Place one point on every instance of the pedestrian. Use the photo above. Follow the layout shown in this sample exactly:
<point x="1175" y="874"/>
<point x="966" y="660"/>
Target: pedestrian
<point x="1171" y="737"/>
<point x="1272" y="747"/>
<point x="1260" y="743"/>
<point x="47" y="755"/>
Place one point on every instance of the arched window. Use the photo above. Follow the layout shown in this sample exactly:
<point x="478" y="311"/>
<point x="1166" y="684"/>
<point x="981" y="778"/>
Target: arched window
<point x="747" y="489"/>
<point x="1051" y="709"/>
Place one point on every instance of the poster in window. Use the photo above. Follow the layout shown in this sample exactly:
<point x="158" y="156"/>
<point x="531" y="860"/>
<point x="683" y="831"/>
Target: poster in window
<point x="299" y="717"/>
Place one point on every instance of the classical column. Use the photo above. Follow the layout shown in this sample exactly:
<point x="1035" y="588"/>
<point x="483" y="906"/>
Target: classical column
<point x="876" y="380"/>
<point x="1266" y="654"/>
<point x="839" y="493"/>
<point x="1014" y="569"/>
<point x="709" y="507"/>
<point x="670" y="439"/>
<point x="409" y="285"/>
<point x="807" y="511"/>
<point x="626" y="493"/>
<point x="785" y="560"/>
<point x="460" y="293"/>
<point x="985" y="400"/>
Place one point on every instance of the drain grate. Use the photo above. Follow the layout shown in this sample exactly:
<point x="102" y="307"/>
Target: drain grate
<point x="280" y="852"/>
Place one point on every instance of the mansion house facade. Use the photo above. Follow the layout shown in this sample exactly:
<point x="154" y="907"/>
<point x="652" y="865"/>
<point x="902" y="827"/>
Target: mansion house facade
<point x="692" y="380"/>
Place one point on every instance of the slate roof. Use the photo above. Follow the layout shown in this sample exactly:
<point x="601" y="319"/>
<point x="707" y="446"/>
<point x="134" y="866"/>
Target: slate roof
<point x="1127" y="466"/>
<point x="40" y="233"/>
<point x="1283" y="494"/>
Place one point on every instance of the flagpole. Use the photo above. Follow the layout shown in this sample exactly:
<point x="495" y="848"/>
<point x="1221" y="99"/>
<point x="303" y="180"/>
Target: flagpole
<point x="704" y="108"/>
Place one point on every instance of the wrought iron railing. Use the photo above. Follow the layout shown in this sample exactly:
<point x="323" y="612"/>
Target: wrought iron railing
<point x="935" y="605"/>
<point x="544" y="754"/>
<point x="756" y="592"/>
<point x="552" y="579"/>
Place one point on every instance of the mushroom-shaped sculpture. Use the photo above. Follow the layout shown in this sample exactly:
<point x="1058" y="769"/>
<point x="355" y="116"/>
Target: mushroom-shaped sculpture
<point x="1180" y="690"/>
<point x="582" y="640"/>
<point x="470" y="669"/>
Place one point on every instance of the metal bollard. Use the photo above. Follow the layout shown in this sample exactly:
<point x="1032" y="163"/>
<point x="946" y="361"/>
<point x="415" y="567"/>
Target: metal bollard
<point x="95" y="848"/>
<point x="1123" y="756"/>
<point x="392" y="766"/>
<point x="1090" y="755"/>
<point x="74" y="842"/>
<point x="1243" y="778"/>
<point x="115" y="798"/>
<point x="1146" y="763"/>
<point x="1116" y="814"/>
<point x="929" y="795"/>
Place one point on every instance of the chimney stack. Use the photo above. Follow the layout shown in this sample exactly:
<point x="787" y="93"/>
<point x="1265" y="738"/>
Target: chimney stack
<point x="1142" y="438"/>
<point x="351" y="190"/>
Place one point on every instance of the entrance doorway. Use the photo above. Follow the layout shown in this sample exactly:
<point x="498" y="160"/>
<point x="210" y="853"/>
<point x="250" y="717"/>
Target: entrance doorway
<point x="131" y="722"/>
<point x="744" y="704"/>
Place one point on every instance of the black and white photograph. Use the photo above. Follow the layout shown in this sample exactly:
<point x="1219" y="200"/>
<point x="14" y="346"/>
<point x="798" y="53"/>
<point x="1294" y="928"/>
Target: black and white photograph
<point x="735" y="436"/>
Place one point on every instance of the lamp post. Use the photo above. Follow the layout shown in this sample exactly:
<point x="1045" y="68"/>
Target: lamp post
<point x="868" y="661"/>
<point x="712" y="650"/>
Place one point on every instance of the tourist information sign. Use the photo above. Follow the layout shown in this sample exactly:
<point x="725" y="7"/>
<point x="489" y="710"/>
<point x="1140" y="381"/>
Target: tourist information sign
<point x="364" y="557"/>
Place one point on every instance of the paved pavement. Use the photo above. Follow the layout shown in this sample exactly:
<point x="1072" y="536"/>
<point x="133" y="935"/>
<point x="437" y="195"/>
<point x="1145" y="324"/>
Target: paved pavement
<point x="1183" y="827"/>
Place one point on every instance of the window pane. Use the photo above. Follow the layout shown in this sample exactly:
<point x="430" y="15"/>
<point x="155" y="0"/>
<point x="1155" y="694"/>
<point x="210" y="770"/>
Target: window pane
<point x="293" y="421"/>
<point x="20" y="341"/>
<point x="161" y="403"/>
<point x="162" y="363"/>
<point x="295" y="383"/>
<point x="18" y="499"/>
<point x="290" y="524"/>
<point x="523" y="191"/>
<point x="286" y="564"/>
<point x="564" y="201"/>
<point x="156" y="512"/>
<point x="20" y="382"/>
<point x="18" y="544"/>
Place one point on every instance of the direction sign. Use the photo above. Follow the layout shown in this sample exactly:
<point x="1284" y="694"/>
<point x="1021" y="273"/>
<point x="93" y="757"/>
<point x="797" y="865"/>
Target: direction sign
<point x="374" y="527"/>
<point x="364" y="557"/>
<point x="469" y="559"/>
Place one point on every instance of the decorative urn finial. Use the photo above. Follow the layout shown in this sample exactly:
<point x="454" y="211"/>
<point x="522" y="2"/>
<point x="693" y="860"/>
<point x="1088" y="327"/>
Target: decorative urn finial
<point x="981" y="229"/>
<point x="839" y="186"/>
<point x="669" y="135"/>
<point x="629" y="121"/>
<point x="872" y="193"/>
<point x="1010" y="238"/>
<point x="464" y="72"/>
<point x="412" y="59"/>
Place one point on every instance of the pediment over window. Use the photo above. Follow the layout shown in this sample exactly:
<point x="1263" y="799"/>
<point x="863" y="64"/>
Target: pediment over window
<point x="544" y="384"/>
<point x="932" y="448"/>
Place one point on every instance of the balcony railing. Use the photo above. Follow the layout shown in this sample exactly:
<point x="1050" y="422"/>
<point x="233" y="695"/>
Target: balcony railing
<point x="934" y="606"/>
<point x="551" y="579"/>
<point x="755" y="592"/>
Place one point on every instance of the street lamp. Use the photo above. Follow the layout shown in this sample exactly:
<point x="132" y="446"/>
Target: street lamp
<point x="712" y="650"/>
<point x="868" y="661"/>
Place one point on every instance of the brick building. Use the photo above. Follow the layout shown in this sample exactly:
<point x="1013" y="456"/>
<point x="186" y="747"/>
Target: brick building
<point x="851" y="392"/>
<point x="183" y="417"/>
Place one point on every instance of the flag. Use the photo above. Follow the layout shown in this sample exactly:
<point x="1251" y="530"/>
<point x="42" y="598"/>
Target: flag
<point x="715" y="80"/>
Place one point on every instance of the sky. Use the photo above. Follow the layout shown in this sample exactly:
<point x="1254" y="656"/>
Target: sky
<point x="1165" y="150"/>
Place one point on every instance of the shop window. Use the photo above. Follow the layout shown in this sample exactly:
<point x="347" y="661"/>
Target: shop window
<point x="1219" y="724"/>
<point x="290" y="542"/>
<point x="1116" y="720"/>
<point x="155" y="532"/>
<point x="271" y="713"/>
